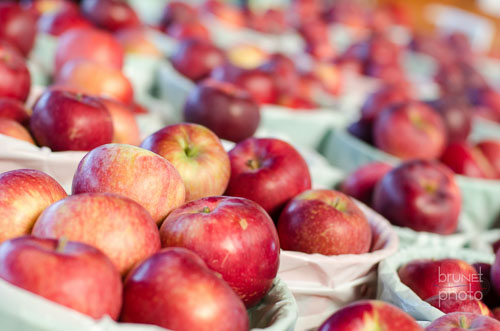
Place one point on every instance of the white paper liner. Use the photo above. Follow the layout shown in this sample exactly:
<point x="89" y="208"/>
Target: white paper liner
<point x="323" y="284"/>
<point x="485" y="129"/>
<point x="391" y="289"/>
<point x="25" y="311"/>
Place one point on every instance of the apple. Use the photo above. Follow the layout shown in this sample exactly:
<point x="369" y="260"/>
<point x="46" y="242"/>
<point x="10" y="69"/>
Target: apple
<point x="490" y="298"/>
<point x="316" y="34"/>
<point x="89" y="44"/>
<point x="310" y="87"/>
<point x="370" y="315"/>
<point x="246" y="56"/>
<point x="362" y="129"/>
<point x="495" y="274"/>
<point x="111" y="15"/>
<point x="361" y="183"/>
<point x="496" y="313"/>
<point x="464" y="321"/>
<point x="268" y="171"/>
<point x="457" y="117"/>
<point x="270" y="21"/>
<point x="409" y="131"/>
<point x="379" y="100"/>
<point x="491" y="150"/>
<point x="25" y="194"/>
<point x="17" y="26"/>
<point x="231" y="113"/>
<point x="174" y="289"/>
<point x="422" y="195"/>
<point x="14" y="109"/>
<point x="134" y="172"/>
<point x="227" y="13"/>
<point x="13" y="129"/>
<point x="42" y="7"/>
<point x="16" y="80"/>
<point x="136" y="41"/>
<point x="450" y="303"/>
<point x="65" y="121"/>
<point x="189" y="30"/>
<point x="467" y="160"/>
<point x="118" y="226"/>
<point x="177" y="12"/>
<point x="330" y="77"/>
<point x="125" y="127"/>
<point x="325" y="222"/>
<point x="198" y="156"/>
<point x="61" y="21"/>
<point x="452" y="277"/>
<point x="234" y="236"/>
<point x="69" y="273"/>
<point x="196" y="58"/>
<point x="283" y="70"/>
<point x="295" y="102"/>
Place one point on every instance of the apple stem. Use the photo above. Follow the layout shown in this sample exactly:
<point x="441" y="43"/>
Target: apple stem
<point x="463" y="322"/>
<point x="253" y="164"/>
<point x="61" y="244"/>
<point x="206" y="210"/>
<point x="190" y="152"/>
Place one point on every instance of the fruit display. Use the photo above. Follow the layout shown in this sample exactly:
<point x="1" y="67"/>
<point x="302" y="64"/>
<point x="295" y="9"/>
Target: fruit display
<point x="246" y="165"/>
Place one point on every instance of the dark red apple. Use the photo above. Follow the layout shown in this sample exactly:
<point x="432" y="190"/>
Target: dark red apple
<point x="284" y="72"/>
<point x="228" y="111"/>
<point x="67" y="121"/>
<point x="111" y="15"/>
<point x="17" y="26"/>
<point x="325" y="222"/>
<point x="363" y="130"/>
<point x="61" y="21"/>
<point x="381" y="99"/>
<point x="14" y="110"/>
<point x="69" y="273"/>
<point x="428" y="278"/>
<point x="174" y="289"/>
<point x="361" y="183"/>
<point x="196" y="58"/>
<point x="450" y="303"/>
<point x="234" y="236"/>
<point x="16" y="80"/>
<point x="420" y="194"/>
<point x="457" y="117"/>
<point x="464" y="321"/>
<point x="467" y="160"/>
<point x="495" y="274"/>
<point x="268" y="171"/>
<point x="490" y="298"/>
<point x="177" y="12"/>
<point x="491" y="150"/>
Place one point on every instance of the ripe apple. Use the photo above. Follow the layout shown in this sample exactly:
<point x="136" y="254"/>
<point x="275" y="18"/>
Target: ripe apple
<point x="246" y="56"/>
<point x="428" y="278"/>
<point x="177" y="12"/>
<point x="295" y="102"/>
<point x="464" y="321"/>
<point x="134" y="172"/>
<point x="198" y="156"/>
<point x="174" y="289"/>
<point x="17" y="26"/>
<point x="361" y="183"/>
<point x="283" y="70"/>
<point x="234" y="236"/>
<point x="25" y="194"/>
<point x="89" y="44"/>
<point x="125" y="127"/>
<point x="490" y="298"/>
<point x="14" y="109"/>
<point x="57" y="23"/>
<point x="325" y="222"/>
<point x="16" y="80"/>
<point x="467" y="160"/>
<point x="65" y="121"/>
<point x="136" y="41"/>
<point x="362" y="129"/>
<point x="420" y="194"/>
<point x="13" y="129"/>
<point x="491" y="150"/>
<point x="457" y="117"/>
<point x="316" y="34"/>
<point x="370" y="315"/>
<point x="118" y="226"/>
<point x="496" y="313"/>
<point x="69" y="273"/>
<point x="329" y="75"/>
<point x="189" y="30"/>
<point x="228" y="111"/>
<point x="268" y="171"/>
<point x="409" y="131"/>
<point x="450" y="303"/>
<point x="96" y="79"/>
<point x="111" y="15"/>
<point x="381" y="99"/>
<point x="196" y="58"/>
<point x="270" y="21"/>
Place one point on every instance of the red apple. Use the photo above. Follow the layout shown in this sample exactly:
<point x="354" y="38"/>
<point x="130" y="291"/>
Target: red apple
<point x="13" y="129"/>
<point x="14" y="109"/>
<point x="316" y="34"/>
<point x="381" y="99"/>
<point x="467" y="160"/>
<point x="63" y="121"/>
<point x="16" y="80"/>
<point x="61" y="21"/>
<point x="271" y="21"/>
<point x="136" y="41"/>
<point x="17" y="26"/>
<point x="228" y="111"/>
<point x="268" y="171"/>
<point x="25" y="194"/>
<point x="125" y="127"/>
<point x="457" y="117"/>
<point x="118" y="226"/>
<point x="428" y="278"/>
<point x="134" y="172"/>
<point x="226" y="12"/>
<point x="491" y="150"/>
<point x="174" y="289"/>
<point x="361" y="183"/>
<point x="89" y="44"/>
<point x="490" y="298"/>
<point x="325" y="222"/>
<point x="234" y="236"/>
<point x="363" y="130"/>
<point x="450" y="303"/>
<point x="110" y="14"/>
<point x="177" y="12"/>
<point x="464" y="321"/>
<point x="496" y="313"/>
<point x="96" y="79"/>
<point x="197" y="154"/>
<point x="189" y="30"/>
<point x="284" y="72"/>
<point x="420" y="194"/>
<point x="69" y="273"/>
<point x="495" y="274"/>
<point x="196" y="58"/>
<point x="370" y="315"/>
<point x="246" y="56"/>
<point x="330" y="77"/>
<point x="410" y="131"/>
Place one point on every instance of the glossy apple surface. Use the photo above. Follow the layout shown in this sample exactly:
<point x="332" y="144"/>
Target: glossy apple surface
<point x="464" y="321"/>
<point x="465" y="159"/>
<point x="361" y="183"/>
<point x="125" y="127"/>
<point x="455" y="303"/>
<point x="13" y="129"/>
<point x="17" y="26"/>
<point x="111" y="15"/>
<point x="16" y="80"/>
<point x="14" y="110"/>
<point x="491" y="150"/>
